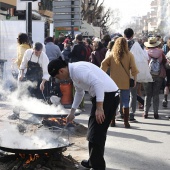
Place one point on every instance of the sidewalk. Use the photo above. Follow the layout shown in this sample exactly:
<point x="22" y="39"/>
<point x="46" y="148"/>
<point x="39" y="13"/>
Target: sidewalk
<point x="145" y="146"/>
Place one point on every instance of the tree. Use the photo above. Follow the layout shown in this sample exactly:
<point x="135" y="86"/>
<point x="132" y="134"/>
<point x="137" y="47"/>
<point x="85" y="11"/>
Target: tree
<point x="92" y="12"/>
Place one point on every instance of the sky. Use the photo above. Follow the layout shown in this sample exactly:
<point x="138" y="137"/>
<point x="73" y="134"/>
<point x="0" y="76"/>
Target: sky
<point x="129" y="8"/>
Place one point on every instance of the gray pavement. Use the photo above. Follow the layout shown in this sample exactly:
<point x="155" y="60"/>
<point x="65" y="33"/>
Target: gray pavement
<point x="145" y="146"/>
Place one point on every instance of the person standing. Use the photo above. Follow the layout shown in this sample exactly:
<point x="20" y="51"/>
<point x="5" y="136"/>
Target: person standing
<point x="52" y="50"/>
<point x="35" y="61"/>
<point x="158" y="73"/>
<point x="89" y="48"/>
<point x="98" y="53"/>
<point x="128" y="34"/>
<point x="67" y="49"/>
<point x="23" y="45"/>
<point x="121" y="62"/>
<point x="78" y="52"/>
<point x="105" y="99"/>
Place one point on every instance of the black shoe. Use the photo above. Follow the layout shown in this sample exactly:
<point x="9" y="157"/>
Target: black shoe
<point x="132" y="119"/>
<point x="85" y="164"/>
<point x="97" y="169"/>
<point x="120" y="117"/>
<point x="156" y="116"/>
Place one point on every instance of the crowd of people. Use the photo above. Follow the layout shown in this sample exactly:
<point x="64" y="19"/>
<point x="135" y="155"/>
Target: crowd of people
<point x="131" y="65"/>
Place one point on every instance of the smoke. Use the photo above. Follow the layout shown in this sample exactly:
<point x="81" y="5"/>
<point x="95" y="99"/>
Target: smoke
<point x="38" y="139"/>
<point x="21" y="99"/>
<point x="41" y="138"/>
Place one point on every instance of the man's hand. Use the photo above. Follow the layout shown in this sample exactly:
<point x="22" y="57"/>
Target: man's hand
<point x="42" y="85"/>
<point x="100" y="116"/>
<point x="71" y="116"/>
<point x="21" y="77"/>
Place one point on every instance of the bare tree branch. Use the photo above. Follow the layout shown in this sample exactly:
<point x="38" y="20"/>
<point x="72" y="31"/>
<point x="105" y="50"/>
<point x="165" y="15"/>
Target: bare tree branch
<point x="93" y="12"/>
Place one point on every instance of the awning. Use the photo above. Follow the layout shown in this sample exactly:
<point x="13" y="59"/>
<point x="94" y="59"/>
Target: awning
<point x="87" y="29"/>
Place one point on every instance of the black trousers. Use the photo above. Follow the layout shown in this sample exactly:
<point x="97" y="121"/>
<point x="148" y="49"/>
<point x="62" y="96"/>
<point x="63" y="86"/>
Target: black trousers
<point x="97" y="132"/>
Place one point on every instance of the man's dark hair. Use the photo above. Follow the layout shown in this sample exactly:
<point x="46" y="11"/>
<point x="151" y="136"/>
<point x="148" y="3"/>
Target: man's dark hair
<point x="55" y="65"/>
<point x="38" y="46"/>
<point x="128" y="32"/>
<point x="107" y="38"/>
<point x="79" y="37"/>
<point x="49" y="39"/>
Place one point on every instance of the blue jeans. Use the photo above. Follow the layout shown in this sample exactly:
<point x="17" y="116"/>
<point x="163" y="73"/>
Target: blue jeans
<point x="124" y="98"/>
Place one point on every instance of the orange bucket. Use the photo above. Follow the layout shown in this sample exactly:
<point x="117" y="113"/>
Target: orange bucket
<point x="67" y="93"/>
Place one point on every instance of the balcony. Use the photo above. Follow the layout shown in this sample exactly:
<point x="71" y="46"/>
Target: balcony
<point x="8" y="3"/>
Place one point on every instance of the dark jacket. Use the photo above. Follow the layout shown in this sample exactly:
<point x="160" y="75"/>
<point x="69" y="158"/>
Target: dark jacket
<point x="98" y="56"/>
<point x="78" y="53"/>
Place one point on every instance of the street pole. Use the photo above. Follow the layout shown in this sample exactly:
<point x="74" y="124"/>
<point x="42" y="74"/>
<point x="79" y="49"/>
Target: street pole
<point x="72" y="18"/>
<point x="29" y="21"/>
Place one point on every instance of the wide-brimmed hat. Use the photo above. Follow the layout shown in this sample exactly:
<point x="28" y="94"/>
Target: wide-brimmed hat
<point x="152" y="42"/>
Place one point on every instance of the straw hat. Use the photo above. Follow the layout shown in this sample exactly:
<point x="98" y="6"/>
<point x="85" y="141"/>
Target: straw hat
<point x="152" y="42"/>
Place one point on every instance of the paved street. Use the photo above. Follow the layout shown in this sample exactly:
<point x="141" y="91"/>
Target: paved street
<point x="143" y="147"/>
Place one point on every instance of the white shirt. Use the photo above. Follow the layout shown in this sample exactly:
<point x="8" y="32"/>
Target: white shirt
<point x="43" y="61"/>
<point x="88" y="77"/>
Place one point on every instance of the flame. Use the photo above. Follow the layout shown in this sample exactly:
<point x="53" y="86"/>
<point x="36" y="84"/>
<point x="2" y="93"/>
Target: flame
<point x="60" y="121"/>
<point x="22" y="155"/>
<point x="31" y="157"/>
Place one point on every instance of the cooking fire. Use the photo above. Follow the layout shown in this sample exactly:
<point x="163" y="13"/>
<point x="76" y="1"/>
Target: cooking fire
<point x="37" y="162"/>
<point x="37" y="143"/>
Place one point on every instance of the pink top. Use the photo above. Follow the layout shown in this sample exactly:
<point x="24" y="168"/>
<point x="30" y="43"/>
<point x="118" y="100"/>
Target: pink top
<point x="158" y="53"/>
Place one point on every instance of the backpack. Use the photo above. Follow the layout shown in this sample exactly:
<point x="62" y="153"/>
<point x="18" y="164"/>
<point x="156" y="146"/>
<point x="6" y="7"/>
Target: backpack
<point x="154" y="66"/>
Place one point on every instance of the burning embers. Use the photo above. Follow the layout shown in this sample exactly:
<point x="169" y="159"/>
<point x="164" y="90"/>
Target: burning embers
<point x="37" y="162"/>
<point x="57" y="122"/>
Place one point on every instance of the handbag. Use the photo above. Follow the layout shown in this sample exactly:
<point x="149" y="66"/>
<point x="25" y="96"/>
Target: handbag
<point x="131" y="81"/>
